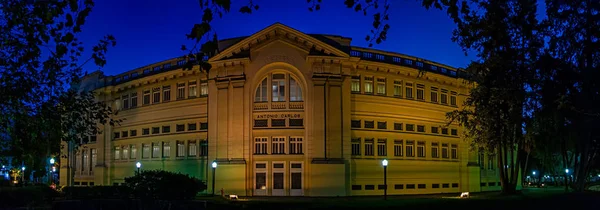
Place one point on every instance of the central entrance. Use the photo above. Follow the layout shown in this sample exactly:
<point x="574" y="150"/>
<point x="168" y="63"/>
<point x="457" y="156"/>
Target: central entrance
<point x="279" y="178"/>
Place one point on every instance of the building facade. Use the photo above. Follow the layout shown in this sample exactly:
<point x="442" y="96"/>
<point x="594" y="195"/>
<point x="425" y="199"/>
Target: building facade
<point x="284" y="113"/>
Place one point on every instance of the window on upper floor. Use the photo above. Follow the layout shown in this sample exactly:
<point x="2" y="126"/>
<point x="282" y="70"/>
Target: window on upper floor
<point x="434" y="94"/>
<point x="284" y="87"/>
<point x="397" y="88"/>
<point x="420" y="92"/>
<point x="368" y="85"/>
<point x="381" y="86"/>
<point x="409" y="90"/>
<point x="444" y="98"/>
<point x="166" y="93"/>
<point x="180" y="91"/>
<point x="453" y="98"/>
<point x="192" y="89"/>
<point x="356" y="84"/>
<point x="203" y="88"/>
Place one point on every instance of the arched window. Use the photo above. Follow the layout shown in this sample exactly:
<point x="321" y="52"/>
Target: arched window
<point x="261" y="92"/>
<point x="295" y="90"/>
<point x="278" y="84"/>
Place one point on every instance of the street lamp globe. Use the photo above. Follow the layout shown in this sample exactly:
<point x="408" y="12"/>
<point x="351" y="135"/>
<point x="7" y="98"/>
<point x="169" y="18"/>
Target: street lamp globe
<point x="533" y="172"/>
<point x="567" y="170"/>
<point x="138" y="164"/>
<point x="23" y="168"/>
<point x="214" y="164"/>
<point x="384" y="162"/>
<point x="51" y="160"/>
<point x="53" y="168"/>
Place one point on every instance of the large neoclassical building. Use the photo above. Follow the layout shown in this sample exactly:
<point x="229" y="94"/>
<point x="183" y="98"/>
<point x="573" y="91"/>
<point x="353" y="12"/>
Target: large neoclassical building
<point x="284" y="113"/>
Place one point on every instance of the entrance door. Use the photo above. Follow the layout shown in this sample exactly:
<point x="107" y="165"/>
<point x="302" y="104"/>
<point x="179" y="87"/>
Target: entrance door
<point x="296" y="188"/>
<point x="278" y="179"/>
<point x="260" y="179"/>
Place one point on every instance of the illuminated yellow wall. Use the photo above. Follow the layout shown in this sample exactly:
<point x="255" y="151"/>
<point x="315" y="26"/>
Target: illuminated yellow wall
<point x="326" y="117"/>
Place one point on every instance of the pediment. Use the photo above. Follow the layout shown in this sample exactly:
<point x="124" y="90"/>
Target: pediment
<point x="283" y="33"/>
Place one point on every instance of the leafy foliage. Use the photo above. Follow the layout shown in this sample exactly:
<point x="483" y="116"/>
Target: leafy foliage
<point x="95" y="192"/>
<point x="39" y="61"/>
<point x="164" y="185"/>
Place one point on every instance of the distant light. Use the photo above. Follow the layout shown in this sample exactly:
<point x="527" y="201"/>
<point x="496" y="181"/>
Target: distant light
<point x="3" y="166"/>
<point x="214" y="164"/>
<point x="53" y="168"/>
<point x="138" y="164"/>
<point x="533" y="172"/>
<point x="464" y="195"/>
<point x="51" y="160"/>
<point x="567" y="170"/>
<point x="23" y="168"/>
<point x="384" y="162"/>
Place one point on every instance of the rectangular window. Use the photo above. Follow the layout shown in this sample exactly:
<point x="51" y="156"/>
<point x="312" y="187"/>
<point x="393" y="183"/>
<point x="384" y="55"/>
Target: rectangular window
<point x="420" y="128"/>
<point x="261" y="181"/>
<point x="445" y="131"/>
<point x="192" y="126"/>
<point x="420" y="92"/>
<point x="410" y="127"/>
<point x="421" y="186"/>
<point x="296" y="181"/>
<point x="356" y="187"/>
<point x="145" y="131"/>
<point x="454" y="151"/>
<point x="260" y="145"/>
<point x="145" y="150"/>
<point x="381" y="147"/>
<point x="397" y="88"/>
<point x="355" y="123"/>
<point x="94" y="159"/>
<point x="261" y="123"/>
<point x="434" y="150"/>
<point x="133" y="133"/>
<point x="203" y="126"/>
<point x="296" y="145"/>
<point x="125" y="99"/>
<point x="166" y="149"/>
<point x="116" y="135"/>
<point x="444" y="96"/>
<point x="421" y="149"/>
<point x="380" y="187"/>
<point x="369" y="124"/>
<point x="124" y="134"/>
<point x="398" y="186"/>
<point x="278" y="87"/>
<point x="180" y="91"/>
<point x="409" y="148"/>
<point x="125" y="152"/>
<point x="278" y="145"/>
<point x="368" y="147"/>
<point x="398" y="148"/>
<point x="117" y="152"/>
<point x="381" y="125"/>
<point x="435" y="185"/>
<point x="133" y="100"/>
<point x="278" y="181"/>
<point x="398" y="126"/>
<point x="146" y="97"/>
<point x="409" y="90"/>
<point x="296" y="122"/>
<point x="133" y="152"/>
<point x="166" y="93"/>
<point x="180" y="149"/>
<point x="445" y="150"/>
<point x="381" y="86"/>
<point x="454" y="185"/>
<point x="434" y="94"/>
<point x="156" y="68"/>
<point x="277" y="122"/>
<point x="156" y="95"/>
<point x="356" y="146"/>
<point x="410" y="186"/>
<point x="204" y="88"/>
<point x="434" y="129"/>
<point x="204" y="148"/>
<point x="368" y="85"/>
<point x="369" y="187"/>
<point x="179" y="127"/>
<point x="192" y="148"/>
<point x="146" y="71"/>
<point x="86" y="161"/>
<point x="192" y="89"/>
<point x="356" y="85"/>
<point x="155" y="150"/>
<point x="166" y="129"/>
<point x="453" y="98"/>
<point x="454" y="132"/>
<point x="491" y="162"/>
<point x="166" y="66"/>
<point x="446" y="185"/>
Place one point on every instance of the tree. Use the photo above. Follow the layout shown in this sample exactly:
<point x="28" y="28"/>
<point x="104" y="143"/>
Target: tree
<point x="574" y="44"/>
<point x="39" y="61"/>
<point x="506" y="37"/>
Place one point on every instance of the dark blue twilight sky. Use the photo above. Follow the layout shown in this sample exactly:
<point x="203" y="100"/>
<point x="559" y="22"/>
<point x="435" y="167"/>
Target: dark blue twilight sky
<point x="149" y="31"/>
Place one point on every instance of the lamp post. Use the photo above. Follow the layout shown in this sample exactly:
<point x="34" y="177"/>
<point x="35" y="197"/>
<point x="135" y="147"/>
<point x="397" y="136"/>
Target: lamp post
<point x="384" y="162"/>
<point x="52" y="161"/>
<point x="214" y="167"/>
<point x="138" y="165"/>
<point x="23" y="174"/>
<point x="533" y="176"/>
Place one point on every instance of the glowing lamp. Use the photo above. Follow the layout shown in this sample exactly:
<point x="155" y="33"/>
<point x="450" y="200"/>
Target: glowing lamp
<point x="464" y="195"/>
<point x="533" y="172"/>
<point x="567" y="170"/>
<point x="138" y="164"/>
<point x="214" y="164"/>
<point x="384" y="162"/>
<point x="23" y="168"/>
<point x="52" y="160"/>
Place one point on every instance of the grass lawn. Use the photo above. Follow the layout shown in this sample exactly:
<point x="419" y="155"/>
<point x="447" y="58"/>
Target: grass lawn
<point x="532" y="199"/>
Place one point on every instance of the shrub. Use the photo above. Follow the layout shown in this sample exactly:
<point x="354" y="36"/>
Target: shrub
<point x="95" y="192"/>
<point x="164" y="185"/>
<point x="13" y="197"/>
